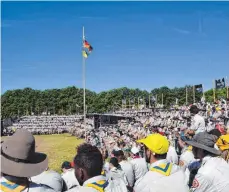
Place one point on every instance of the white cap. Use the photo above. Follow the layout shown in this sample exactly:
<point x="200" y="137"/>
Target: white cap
<point x="134" y="150"/>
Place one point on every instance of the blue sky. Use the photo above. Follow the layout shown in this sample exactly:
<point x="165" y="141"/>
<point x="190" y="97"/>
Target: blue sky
<point x="136" y="44"/>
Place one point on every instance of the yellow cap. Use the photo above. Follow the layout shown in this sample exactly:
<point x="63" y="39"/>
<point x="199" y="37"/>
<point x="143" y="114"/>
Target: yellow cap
<point x="156" y="143"/>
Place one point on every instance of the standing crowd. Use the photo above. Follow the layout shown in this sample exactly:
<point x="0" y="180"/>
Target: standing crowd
<point x="178" y="151"/>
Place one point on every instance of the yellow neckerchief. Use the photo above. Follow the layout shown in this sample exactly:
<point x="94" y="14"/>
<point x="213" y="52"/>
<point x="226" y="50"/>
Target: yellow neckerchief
<point x="9" y="186"/>
<point x="189" y="148"/>
<point x="99" y="185"/>
<point x="103" y="173"/>
<point x="163" y="168"/>
<point x="223" y="142"/>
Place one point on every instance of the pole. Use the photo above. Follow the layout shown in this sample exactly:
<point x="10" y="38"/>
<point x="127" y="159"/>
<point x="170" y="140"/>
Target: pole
<point x="162" y="99"/>
<point x="156" y="100"/>
<point x="84" y="90"/>
<point x="138" y="102"/>
<point x="203" y="90"/>
<point x="194" y="94"/>
<point x="186" y="96"/>
<point x="213" y="90"/>
<point x="149" y="101"/>
<point x="227" y="86"/>
<point x="129" y="103"/>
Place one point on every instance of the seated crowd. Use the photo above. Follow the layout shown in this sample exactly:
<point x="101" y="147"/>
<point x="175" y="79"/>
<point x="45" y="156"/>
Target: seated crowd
<point x="156" y="160"/>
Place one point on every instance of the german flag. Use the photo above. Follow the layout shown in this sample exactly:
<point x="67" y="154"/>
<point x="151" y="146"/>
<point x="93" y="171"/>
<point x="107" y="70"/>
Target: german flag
<point x="87" y="46"/>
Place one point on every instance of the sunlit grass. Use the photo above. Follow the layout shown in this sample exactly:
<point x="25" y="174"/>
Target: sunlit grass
<point x="59" y="148"/>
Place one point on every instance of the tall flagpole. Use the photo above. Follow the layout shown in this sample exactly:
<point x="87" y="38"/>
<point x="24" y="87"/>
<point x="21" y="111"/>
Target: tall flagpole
<point x="203" y="90"/>
<point x="84" y="92"/>
<point x="149" y="101"/>
<point x="162" y="99"/>
<point x="194" y="94"/>
<point x="227" y="86"/>
<point x="186" y="96"/>
<point x="213" y="83"/>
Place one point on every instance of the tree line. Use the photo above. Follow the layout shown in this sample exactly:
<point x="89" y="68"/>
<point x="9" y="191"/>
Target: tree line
<point x="69" y="100"/>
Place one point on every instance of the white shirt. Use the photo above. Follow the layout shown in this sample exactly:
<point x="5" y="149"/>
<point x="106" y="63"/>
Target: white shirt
<point x="156" y="182"/>
<point x="116" y="174"/>
<point x="172" y="156"/>
<point x="198" y="124"/>
<point x="186" y="158"/>
<point x="85" y="188"/>
<point x="70" y="179"/>
<point x="213" y="176"/>
<point x="33" y="187"/>
<point x="129" y="171"/>
<point x="140" y="167"/>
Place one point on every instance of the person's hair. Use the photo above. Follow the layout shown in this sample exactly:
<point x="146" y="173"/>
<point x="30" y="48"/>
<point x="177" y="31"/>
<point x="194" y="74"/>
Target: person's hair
<point x="114" y="162"/>
<point x="207" y="153"/>
<point x="163" y="156"/>
<point x="215" y="132"/>
<point x="194" y="109"/>
<point x="136" y="154"/>
<point x="66" y="165"/>
<point x="90" y="159"/>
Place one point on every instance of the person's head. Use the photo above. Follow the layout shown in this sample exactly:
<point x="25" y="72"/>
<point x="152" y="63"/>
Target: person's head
<point x="120" y="155"/>
<point x="215" y="132"/>
<point x="113" y="163"/>
<point x="203" y="145"/>
<point x="135" y="152"/>
<point x="88" y="162"/>
<point x="66" y="165"/>
<point x="156" y="147"/>
<point x="194" y="109"/>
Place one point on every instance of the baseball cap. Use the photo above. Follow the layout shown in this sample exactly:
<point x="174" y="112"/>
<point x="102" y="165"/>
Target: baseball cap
<point x="156" y="143"/>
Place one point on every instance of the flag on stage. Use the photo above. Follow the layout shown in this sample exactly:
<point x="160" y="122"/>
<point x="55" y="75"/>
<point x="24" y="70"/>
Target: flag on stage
<point x="85" y="54"/>
<point x="220" y="83"/>
<point x="199" y="88"/>
<point x="87" y="46"/>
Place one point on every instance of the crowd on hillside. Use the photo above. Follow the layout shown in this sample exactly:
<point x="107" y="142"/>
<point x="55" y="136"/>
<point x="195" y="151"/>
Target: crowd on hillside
<point x="179" y="150"/>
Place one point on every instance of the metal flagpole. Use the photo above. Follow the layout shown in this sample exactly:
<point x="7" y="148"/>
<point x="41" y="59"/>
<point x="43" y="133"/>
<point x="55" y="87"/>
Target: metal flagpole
<point x="227" y="86"/>
<point x="213" y="90"/>
<point x="162" y="99"/>
<point x="149" y="101"/>
<point x="203" y="90"/>
<point x="186" y="96"/>
<point x="194" y="94"/>
<point x="84" y="92"/>
<point x="138" y="103"/>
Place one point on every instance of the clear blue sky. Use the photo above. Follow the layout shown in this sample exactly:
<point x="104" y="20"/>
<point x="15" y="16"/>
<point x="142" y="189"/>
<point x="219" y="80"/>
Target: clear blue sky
<point x="136" y="44"/>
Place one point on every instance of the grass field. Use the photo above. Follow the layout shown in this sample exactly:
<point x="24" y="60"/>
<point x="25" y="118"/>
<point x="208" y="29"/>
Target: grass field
<point x="59" y="148"/>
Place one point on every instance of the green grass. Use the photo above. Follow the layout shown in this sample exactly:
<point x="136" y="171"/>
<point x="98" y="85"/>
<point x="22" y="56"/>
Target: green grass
<point x="59" y="148"/>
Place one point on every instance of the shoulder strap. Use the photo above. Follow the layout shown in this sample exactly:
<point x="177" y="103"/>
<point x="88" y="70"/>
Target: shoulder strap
<point x="99" y="185"/>
<point x="164" y="169"/>
<point x="8" y="186"/>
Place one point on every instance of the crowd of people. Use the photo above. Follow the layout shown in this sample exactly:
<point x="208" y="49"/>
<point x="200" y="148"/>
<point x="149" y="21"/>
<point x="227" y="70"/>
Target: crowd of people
<point x="179" y="150"/>
<point x="46" y="124"/>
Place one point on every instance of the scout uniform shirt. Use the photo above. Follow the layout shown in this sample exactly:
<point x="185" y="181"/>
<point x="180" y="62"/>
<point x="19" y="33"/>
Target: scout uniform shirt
<point x="162" y="176"/>
<point x="198" y="124"/>
<point x="94" y="184"/>
<point x="8" y="185"/>
<point x="212" y="176"/>
<point x="186" y="158"/>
